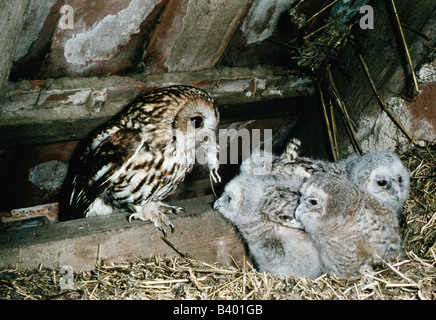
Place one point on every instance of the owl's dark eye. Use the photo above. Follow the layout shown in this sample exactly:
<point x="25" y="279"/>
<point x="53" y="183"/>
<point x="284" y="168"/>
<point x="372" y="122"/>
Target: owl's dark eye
<point x="196" y="122"/>
<point x="400" y="179"/>
<point x="382" y="183"/>
<point x="228" y="198"/>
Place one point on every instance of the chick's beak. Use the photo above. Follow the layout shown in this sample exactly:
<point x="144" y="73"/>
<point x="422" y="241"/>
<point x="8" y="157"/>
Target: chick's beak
<point x="216" y="205"/>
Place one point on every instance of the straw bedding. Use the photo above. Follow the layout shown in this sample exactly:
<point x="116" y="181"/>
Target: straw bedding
<point x="410" y="277"/>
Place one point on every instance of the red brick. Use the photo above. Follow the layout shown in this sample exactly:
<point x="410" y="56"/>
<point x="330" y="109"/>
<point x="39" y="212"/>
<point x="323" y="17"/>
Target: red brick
<point x="49" y="210"/>
<point x="424" y="109"/>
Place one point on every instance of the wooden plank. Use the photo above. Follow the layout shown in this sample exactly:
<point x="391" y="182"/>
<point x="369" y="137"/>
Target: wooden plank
<point x="202" y="233"/>
<point x="69" y="108"/>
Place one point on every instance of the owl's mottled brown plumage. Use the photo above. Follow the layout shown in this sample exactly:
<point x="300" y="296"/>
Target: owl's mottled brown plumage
<point x="141" y="156"/>
<point x="290" y="164"/>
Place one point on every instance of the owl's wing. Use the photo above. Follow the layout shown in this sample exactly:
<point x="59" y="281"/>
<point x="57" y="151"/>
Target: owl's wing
<point x="101" y="164"/>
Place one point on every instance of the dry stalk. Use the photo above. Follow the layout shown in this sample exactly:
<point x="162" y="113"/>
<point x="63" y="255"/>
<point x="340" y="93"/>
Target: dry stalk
<point x="322" y="10"/>
<point x="347" y="120"/>
<point x="330" y="131"/>
<point x="409" y="59"/>
<point x="307" y="36"/>
<point x="382" y="104"/>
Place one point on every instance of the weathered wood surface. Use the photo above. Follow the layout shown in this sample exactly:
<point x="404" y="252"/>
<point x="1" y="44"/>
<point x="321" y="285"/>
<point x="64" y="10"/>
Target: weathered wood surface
<point x="193" y="35"/>
<point x="11" y="21"/>
<point x="383" y="52"/>
<point x="69" y="108"/>
<point x="201" y="233"/>
<point x="100" y="37"/>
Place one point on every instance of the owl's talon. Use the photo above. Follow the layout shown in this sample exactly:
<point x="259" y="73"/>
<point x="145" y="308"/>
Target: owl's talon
<point x="177" y="210"/>
<point x="132" y="216"/>
<point x="156" y="213"/>
<point x="165" y="208"/>
<point x="164" y="231"/>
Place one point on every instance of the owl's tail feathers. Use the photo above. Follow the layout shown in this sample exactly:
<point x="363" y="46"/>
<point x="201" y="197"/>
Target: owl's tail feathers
<point x="82" y="198"/>
<point x="79" y="204"/>
<point x="78" y="201"/>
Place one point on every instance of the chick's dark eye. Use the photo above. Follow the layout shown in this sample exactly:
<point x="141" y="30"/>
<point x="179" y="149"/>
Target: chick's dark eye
<point x="313" y="202"/>
<point x="196" y="122"/>
<point x="382" y="183"/>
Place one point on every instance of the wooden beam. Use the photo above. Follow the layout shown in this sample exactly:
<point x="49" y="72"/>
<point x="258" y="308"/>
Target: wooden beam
<point x="65" y="109"/>
<point x="204" y="29"/>
<point x="202" y="233"/>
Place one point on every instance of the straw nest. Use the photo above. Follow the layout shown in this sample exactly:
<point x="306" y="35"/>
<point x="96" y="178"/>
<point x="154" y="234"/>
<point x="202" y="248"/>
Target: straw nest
<point x="412" y="277"/>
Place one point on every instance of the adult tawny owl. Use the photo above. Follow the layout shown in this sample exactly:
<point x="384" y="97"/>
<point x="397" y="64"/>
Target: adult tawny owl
<point x="249" y="201"/>
<point x="350" y="228"/>
<point x="141" y="156"/>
